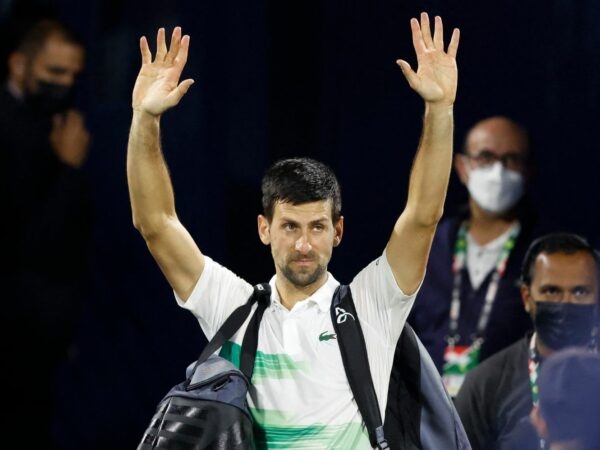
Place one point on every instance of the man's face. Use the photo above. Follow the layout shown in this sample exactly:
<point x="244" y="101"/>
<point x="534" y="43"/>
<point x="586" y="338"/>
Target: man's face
<point x="562" y="277"/>
<point x="58" y="62"/>
<point x="491" y="141"/>
<point x="302" y="238"/>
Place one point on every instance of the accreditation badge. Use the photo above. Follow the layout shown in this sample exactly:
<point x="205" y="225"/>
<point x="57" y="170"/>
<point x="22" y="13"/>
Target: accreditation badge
<point x="458" y="360"/>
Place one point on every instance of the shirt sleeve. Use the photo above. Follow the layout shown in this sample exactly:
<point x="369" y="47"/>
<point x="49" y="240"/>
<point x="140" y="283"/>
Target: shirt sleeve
<point x="380" y="303"/>
<point x="216" y="294"/>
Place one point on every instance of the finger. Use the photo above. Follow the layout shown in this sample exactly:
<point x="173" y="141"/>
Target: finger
<point x="161" y="45"/>
<point x="176" y="94"/>
<point x="438" y="33"/>
<point x="75" y="118"/>
<point x="68" y="117"/>
<point x="426" y="30"/>
<point x="145" y="51"/>
<point x="409" y="74"/>
<point x="417" y="36"/>
<point x="57" y="121"/>
<point x="174" y="47"/>
<point x="453" y="45"/>
<point x="182" y="53"/>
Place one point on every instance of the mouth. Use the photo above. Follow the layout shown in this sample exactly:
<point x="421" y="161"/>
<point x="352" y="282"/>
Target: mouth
<point x="303" y="261"/>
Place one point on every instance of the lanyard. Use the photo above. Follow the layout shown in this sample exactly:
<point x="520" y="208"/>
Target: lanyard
<point x="533" y="367"/>
<point x="459" y="262"/>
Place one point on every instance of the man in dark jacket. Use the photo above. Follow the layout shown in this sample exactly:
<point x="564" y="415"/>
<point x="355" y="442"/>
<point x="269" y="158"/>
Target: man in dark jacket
<point x="46" y="226"/>
<point x="469" y="305"/>
<point x="560" y="292"/>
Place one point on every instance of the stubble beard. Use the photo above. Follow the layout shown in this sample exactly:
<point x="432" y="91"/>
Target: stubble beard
<point x="303" y="277"/>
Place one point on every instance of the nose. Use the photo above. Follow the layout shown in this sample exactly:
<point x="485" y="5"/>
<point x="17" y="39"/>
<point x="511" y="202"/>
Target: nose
<point x="496" y="169"/>
<point x="302" y="245"/>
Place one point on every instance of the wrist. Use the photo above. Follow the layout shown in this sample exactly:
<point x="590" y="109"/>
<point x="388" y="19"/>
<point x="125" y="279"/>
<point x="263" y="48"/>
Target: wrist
<point x="439" y="108"/>
<point x="145" y="117"/>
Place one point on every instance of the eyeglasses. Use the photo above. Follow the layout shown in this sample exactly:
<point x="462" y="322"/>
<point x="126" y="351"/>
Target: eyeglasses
<point x="486" y="158"/>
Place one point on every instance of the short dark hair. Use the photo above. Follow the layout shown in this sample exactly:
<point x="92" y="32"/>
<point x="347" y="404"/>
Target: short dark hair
<point x="35" y="38"/>
<point x="561" y="242"/>
<point x="298" y="181"/>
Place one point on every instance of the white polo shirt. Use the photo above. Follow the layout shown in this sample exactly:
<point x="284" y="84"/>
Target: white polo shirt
<point x="302" y="399"/>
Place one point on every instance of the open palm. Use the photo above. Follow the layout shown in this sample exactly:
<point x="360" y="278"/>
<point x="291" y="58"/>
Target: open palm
<point x="157" y="87"/>
<point x="436" y="77"/>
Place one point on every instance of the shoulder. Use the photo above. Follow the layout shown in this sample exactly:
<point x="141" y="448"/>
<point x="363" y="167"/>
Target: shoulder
<point x="216" y="282"/>
<point x="500" y="365"/>
<point x="376" y="281"/>
<point x="8" y="102"/>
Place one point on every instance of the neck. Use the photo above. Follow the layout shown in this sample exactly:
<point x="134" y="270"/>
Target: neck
<point x="484" y="226"/>
<point x="290" y="294"/>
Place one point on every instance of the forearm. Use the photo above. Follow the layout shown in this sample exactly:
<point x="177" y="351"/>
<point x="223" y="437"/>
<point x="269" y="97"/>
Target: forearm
<point x="150" y="188"/>
<point x="414" y="229"/>
<point x="432" y="165"/>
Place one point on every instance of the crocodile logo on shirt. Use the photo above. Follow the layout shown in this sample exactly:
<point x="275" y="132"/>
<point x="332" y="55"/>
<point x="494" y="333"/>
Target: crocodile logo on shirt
<point x="326" y="337"/>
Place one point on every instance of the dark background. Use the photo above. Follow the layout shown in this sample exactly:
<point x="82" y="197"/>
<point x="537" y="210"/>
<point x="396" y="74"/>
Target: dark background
<point x="281" y="78"/>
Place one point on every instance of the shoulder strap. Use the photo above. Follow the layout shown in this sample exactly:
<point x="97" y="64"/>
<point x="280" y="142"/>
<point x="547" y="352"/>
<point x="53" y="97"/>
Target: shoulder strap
<point x="250" y="342"/>
<point x="261" y="294"/>
<point x="356" y="364"/>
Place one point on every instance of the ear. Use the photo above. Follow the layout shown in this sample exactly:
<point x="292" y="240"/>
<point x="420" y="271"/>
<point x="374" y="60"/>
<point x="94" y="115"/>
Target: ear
<point x="460" y="165"/>
<point x="264" y="228"/>
<point x="339" y="231"/>
<point x="539" y="423"/>
<point x="17" y="64"/>
<point x="528" y="302"/>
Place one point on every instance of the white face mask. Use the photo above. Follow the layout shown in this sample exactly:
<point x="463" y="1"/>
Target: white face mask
<point x="495" y="189"/>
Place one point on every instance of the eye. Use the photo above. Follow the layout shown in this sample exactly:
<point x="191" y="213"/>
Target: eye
<point x="513" y="160"/>
<point x="551" y="292"/>
<point x="318" y="227"/>
<point x="581" y="291"/>
<point x="484" y="158"/>
<point x="288" y="226"/>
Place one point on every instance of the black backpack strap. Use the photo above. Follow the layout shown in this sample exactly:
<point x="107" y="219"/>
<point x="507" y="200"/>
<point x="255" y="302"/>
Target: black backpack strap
<point x="262" y="292"/>
<point x="235" y="320"/>
<point x="356" y="364"/>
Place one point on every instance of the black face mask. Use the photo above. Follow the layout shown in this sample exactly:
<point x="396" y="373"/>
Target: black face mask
<point x="561" y="325"/>
<point x="51" y="98"/>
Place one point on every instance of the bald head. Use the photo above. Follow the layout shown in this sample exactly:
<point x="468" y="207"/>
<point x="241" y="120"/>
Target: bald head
<point x="499" y="135"/>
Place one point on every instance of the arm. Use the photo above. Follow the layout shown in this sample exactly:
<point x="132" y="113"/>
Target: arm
<point x="157" y="89"/>
<point x="435" y="81"/>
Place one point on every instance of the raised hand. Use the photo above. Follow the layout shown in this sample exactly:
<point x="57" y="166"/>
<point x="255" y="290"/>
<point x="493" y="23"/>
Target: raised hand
<point x="157" y="87"/>
<point x="436" y="76"/>
<point x="70" y="138"/>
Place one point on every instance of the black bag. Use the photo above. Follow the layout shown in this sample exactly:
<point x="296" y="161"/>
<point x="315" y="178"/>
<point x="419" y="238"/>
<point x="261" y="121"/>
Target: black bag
<point x="209" y="409"/>
<point x="419" y="415"/>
